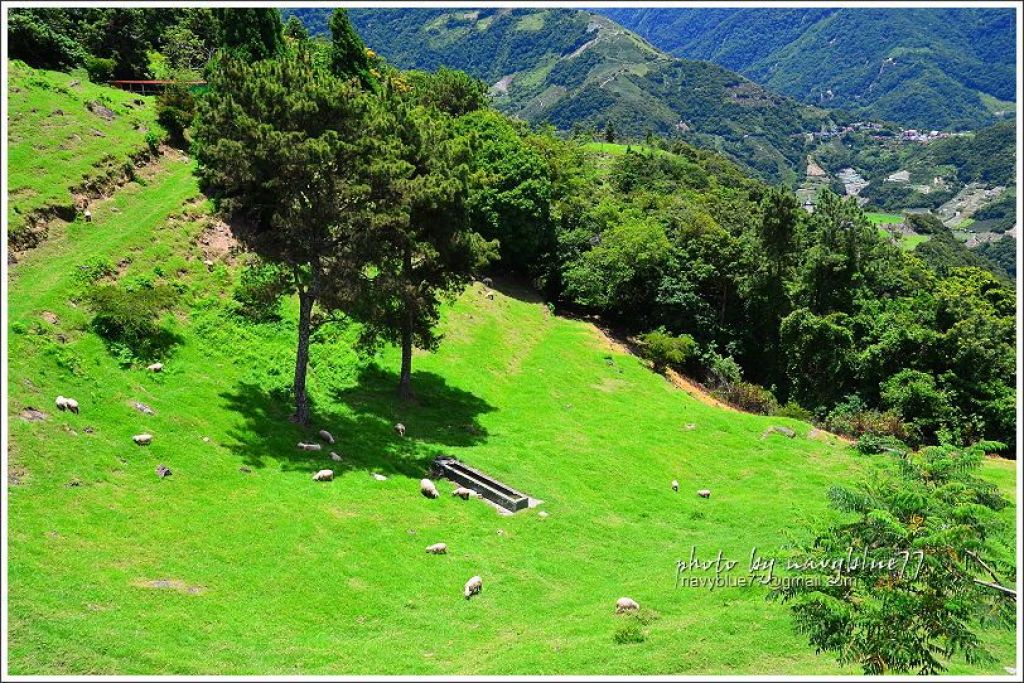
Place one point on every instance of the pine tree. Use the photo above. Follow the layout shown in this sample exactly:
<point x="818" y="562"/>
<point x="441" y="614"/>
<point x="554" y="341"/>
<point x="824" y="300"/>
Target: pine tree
<point x="348" y="52"/>
<point x="419" y="248"/>
<point x="295" y="29"/>
<point x="282" y="152"/>
<point x="250" y="34"/>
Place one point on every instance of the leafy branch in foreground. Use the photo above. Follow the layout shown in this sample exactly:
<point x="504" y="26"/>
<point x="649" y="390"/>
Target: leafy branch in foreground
<point x="928" y="565"/>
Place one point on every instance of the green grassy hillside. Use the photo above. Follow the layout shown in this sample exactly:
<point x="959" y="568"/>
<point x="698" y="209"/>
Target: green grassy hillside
<point x="61" y="144"/>
<point x="240" y="563"/>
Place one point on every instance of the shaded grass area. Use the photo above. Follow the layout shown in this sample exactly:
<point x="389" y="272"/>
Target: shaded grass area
<point x="55" y="142"/>
<point x="219" y="570"/>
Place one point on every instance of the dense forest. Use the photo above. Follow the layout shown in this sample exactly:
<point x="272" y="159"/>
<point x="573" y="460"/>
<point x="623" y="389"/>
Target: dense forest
<point x="945" y="68"/>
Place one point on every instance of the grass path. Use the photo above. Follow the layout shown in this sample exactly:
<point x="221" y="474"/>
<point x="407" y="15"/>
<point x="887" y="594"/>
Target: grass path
<point x="239" y="564"/>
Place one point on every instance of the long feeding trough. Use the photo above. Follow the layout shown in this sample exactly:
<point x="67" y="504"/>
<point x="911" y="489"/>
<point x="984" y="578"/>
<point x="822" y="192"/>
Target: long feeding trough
<point x="490" y="488"/>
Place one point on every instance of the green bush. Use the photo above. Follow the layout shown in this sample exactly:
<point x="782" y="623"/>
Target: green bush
<point x="100" y="69"/>
<point x="924" y="406"/>
<point x="873" y="444"/>
<point x="795" y="411"/>
<point x="665" y="350"/>
<point x="630" y="632"/>
<point x="153" y="140"/>
<point x="853" y="418"/>
<point x="259" y="291"/>
<point x="129" y="319"/>
<point x="749" y="397"/>
<point x="720" y="370"/>
<point x="175" y="110"/>
<point x="91" y="271"/>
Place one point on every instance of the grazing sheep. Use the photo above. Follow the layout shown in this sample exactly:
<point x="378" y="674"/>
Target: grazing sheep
<point x="438" y="549"/>
<point x="303" y="446"/>
<point x="143" y="439"/>
<point x="704" y="493"/>
<point x="400" y="429"/>
<point x="326" y="436"/>
<point x="488" y="281"/>
<point x="462" y="492"/>
<point x="142" y="408"/>
<point x="675" y="485"/>
<point x="324" y="475"/>
<point x="472" y="587"/>
<point x="155" y="367"/>
<point x="379" y="477"/>
<point x="428" y="489"/>
<point x="88" y="216"/>
<point x="70" y="404"/>
<point x="626" y="605"/>
<point x="163" y="471"/>
<point x="335" y="457"/>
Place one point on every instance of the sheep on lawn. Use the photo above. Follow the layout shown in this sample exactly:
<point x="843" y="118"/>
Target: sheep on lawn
<point x="473" y="587"/>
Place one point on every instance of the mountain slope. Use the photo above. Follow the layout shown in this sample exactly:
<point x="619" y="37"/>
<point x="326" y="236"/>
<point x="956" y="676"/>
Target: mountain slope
<point x="927" y="68"/>
<point x="570" y="68"/>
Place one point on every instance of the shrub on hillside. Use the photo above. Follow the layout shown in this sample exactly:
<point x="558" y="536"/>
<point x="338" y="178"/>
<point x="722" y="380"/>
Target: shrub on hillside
<point x="749" y="397"/>
<point x="175" y="110"/>
<point x="795" y="411"/>
<point x="853" y="418"/>
<point x="872" y="444"/>
<point x="720" y="370"/>
<point x="665" y="350"/>
<point x="100" y="69"/>
<point x="129" y="319"/>
<point x="259" y="291"/>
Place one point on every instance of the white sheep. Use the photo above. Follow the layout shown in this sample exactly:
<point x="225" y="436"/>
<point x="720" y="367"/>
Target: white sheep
<point x="675" y="485"/>
<point x="400" y="429"/>
<point x="155" y="367"/>
<point x="143" y="439"/>
<point x="472" y="587"/>
<point x="326" y="436"/>
<point x="335" y="457"/>
<point x="428" y="489"/>
<point x="462" y="492"/>
<point x="704" y="493"/>
<point x="324" y="475"/>
<point x="64" y="403"/>
<point x="438" y="549"/>
<point x="303" y="446"/>
<point x="626" y="605"/>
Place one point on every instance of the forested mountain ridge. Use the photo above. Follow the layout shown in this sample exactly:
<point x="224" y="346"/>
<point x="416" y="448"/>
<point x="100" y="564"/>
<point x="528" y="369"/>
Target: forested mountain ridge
<point x="575" y="69"/>
<point x="926" y="68"/>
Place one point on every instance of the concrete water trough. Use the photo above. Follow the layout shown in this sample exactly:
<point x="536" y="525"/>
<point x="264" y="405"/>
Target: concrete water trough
<point x="475" y="480"/>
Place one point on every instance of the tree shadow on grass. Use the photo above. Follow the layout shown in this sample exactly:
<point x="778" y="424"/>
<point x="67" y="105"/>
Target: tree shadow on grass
<point x="362" y="419"/>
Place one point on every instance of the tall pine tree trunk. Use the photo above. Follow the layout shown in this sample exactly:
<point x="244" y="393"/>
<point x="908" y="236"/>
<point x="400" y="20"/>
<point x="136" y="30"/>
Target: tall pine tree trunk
<point x="405" y="378"/>
<point x="301" y="416"/>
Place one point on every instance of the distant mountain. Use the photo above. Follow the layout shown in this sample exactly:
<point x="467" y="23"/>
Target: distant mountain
<point x="949" y="68"/>
<point x="574" y="68"/>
